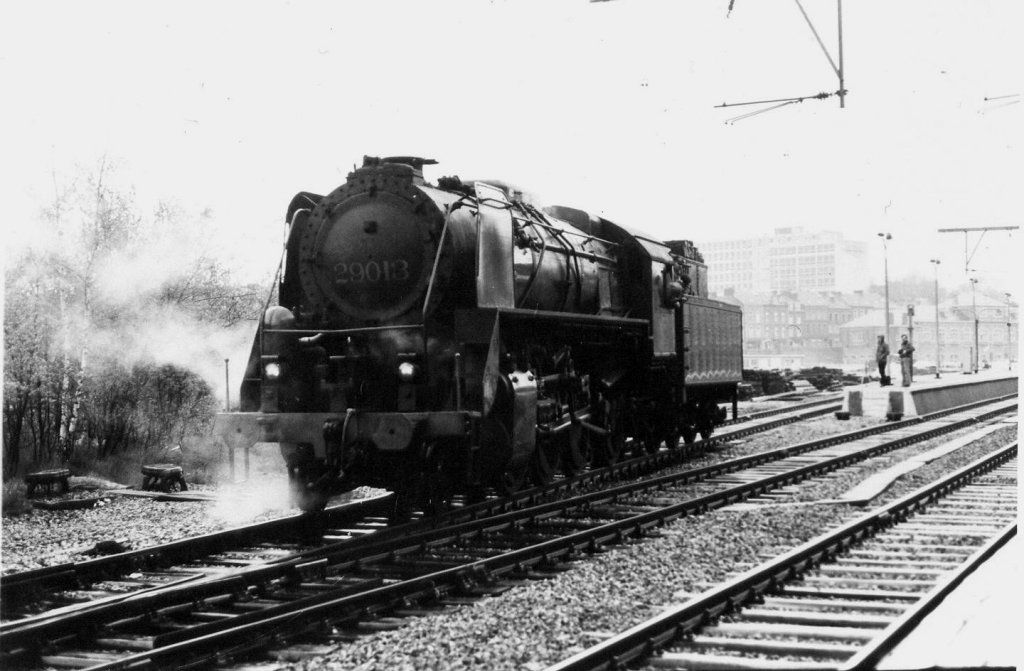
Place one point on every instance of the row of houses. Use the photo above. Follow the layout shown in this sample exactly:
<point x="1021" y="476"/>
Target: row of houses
<point x="803" y="329"/>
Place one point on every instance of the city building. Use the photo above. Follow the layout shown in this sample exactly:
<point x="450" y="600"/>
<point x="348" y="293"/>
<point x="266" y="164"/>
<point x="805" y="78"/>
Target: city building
<point x="997" y="334"/>
<point x="786" y="329"/>
<point x="792" y="259"/>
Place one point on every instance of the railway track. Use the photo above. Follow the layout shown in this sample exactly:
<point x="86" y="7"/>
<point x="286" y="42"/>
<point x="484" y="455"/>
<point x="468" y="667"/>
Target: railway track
<point x="65" y="586"/>
<point x="335" y="592"/>
<point x="843" y="600"/>
<point x="826" y="398"/>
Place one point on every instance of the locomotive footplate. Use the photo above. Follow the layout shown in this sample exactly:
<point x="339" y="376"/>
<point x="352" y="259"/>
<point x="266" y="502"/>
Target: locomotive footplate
<point x="388" y="431"/>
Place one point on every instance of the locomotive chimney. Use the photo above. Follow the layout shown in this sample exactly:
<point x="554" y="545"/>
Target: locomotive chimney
<point x="414" y="162"/>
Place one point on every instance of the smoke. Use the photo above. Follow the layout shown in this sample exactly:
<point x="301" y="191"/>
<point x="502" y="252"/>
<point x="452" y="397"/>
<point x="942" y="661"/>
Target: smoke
<point x="131" y="274"/>
<point x="259" y="492"/>
<point x="168" y="334"/>
<point x="116" y="284"/>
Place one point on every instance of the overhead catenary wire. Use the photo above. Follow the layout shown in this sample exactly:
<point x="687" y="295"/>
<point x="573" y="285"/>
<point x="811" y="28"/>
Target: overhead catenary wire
<point x="1011" y="99"/>
<point x="760" y="111"/>
<point x="987" y="110"/>
<point x="837" y="69"/>
<point x="782" y="102"/>
<point x="794" y="99"/>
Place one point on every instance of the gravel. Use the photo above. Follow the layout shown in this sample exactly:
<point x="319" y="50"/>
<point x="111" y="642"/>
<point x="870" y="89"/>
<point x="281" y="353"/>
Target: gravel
<point x="49" y="537"/>
<point x="530" y="626"/>
<point x="536" y="625"/>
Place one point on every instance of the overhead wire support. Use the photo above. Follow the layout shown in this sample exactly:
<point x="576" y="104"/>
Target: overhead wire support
<point x="967" y="231"/>
<point x="838" y="69"/>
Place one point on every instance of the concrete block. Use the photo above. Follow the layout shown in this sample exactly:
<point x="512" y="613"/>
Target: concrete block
<point x="894" y="410"/>
<point x="853" y="404"/>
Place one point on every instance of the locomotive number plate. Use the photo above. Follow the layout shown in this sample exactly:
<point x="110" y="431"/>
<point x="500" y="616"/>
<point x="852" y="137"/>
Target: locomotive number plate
<point x="356" y="272"/>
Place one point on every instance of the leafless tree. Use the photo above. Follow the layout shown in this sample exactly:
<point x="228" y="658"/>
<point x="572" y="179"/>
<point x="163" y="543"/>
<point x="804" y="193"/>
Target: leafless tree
<point x="64" y="388"/>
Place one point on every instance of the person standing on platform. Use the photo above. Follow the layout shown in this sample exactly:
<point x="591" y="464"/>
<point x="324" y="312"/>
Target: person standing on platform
<point x="906" y="352"/>
<point x="882" y="357"/>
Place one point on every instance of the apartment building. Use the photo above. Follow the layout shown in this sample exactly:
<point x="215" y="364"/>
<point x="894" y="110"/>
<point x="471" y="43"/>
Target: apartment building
<point x="791" y="259"/>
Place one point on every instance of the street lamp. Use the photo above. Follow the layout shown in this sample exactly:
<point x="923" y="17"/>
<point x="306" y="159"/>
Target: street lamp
<point x="936" y="262"/>
<point x="974" y="309"/>
<point x="1009" y="336"/>
<point x="885" y="250"/>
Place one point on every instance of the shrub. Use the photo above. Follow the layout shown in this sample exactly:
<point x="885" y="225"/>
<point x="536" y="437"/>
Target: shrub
<point x="146" y="407"/>
<point x="15" y="498"/>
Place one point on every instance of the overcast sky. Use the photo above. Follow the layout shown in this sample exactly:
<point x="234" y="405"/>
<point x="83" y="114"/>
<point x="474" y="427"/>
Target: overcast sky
<point x="608" y="106"/>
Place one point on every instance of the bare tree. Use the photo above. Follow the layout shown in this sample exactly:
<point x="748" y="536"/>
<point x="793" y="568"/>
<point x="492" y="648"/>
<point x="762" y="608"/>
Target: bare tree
<point x="64" y="387"/>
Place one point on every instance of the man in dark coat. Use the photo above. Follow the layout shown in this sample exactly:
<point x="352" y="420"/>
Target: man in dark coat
<point x="906" y="352"/>
<point x="882" y="357"/>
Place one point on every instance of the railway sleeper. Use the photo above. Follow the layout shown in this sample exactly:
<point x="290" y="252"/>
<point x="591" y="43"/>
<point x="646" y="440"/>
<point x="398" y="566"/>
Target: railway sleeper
<point x="257" y="604"/>
<point x="846" y="582"/>
<point x="849" y="593"/>
<point x="79" y="659"/>
<point x="919" y="549"/>
<point x="381" y="624"/>
<point x="676" y="660"/>
<point x="128" y="642"/>
<point x="774" y="647"/>
<point x="494" y="589"/>
<point x="743" y="629"/>
<point x="853" y="561"/>
<point x="847" y="570"/>
<point x="385" y="573"/>
<point x="298" y="652"/>
<point x="423" y="610"/>
<point x="830" y="604"/>
<point x="210" y="616"/>
<point x="816" y="619"/>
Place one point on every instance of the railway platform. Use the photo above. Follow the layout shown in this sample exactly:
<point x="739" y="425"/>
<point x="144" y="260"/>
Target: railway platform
<point x="926" y="394"/>
<point x="975" y="627"/>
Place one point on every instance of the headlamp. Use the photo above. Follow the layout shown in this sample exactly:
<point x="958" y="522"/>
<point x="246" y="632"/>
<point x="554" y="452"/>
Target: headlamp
<point x="272" y="371"/>
<point x="406" y="371"/>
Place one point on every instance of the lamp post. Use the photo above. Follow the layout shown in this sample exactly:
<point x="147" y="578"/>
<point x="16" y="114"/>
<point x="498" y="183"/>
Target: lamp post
<point x="885" y="251"/>
<point x="936" y="263"/>
<point x="974" y="309"/>
<point x="1009" y="336"/>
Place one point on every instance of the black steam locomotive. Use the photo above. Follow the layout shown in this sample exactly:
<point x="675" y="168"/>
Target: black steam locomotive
<point x="437" y="339"/>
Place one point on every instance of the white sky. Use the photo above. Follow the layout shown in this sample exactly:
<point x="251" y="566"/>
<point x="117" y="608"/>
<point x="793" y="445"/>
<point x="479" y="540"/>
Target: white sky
<point x="608" y="106"/>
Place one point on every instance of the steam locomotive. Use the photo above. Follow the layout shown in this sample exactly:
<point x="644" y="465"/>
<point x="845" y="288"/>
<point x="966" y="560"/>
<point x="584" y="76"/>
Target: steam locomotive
<point x="435" y="339"/>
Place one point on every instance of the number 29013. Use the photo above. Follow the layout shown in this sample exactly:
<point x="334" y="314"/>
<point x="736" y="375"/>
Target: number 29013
<point x="357" y="272"/>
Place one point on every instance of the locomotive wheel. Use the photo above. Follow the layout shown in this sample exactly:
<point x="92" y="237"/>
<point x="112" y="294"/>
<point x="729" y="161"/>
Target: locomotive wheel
<point x="510" y="477"/>
<point x="544" y="462"/>
<point x="304" y="495"/>
<point x="436" y="484"/>
<point x="302" y="492"/>
<point x="511" y="480"/>
<point x="608" y="448"/>
<point x="689" y="433"/>
<point x="647" y="438"/>
<point x="706" y="422"/>
<point x="574" y="444"/>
